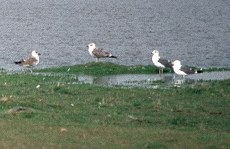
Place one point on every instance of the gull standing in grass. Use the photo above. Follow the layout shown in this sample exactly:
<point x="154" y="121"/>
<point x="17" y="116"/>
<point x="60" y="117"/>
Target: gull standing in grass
<point x="98" y="52"/>
<point x="29" y="62"/>
<point x="160" y="62"/>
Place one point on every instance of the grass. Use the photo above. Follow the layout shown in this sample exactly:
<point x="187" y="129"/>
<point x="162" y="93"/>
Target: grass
<point x="49" y="112"/>
<point x="101" y="68"/>
<point x="106" y="68"/>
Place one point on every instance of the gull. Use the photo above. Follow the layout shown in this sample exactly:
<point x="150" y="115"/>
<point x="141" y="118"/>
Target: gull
<point x="98" y="52"/>
<point x="183" y="70"/>
<point x="160" y="62"/>
<point x="29" y="62"/>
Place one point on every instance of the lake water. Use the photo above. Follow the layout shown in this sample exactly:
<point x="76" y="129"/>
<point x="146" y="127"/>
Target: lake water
<point x="197" y="32"/>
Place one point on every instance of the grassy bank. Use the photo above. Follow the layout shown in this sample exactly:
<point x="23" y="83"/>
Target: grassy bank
<point x="101" y="68"/>
<point x="50" y="112"/>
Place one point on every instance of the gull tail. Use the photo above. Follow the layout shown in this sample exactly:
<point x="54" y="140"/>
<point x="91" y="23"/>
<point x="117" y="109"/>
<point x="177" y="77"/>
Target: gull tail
<point x="200" y="71"/>
<point x="19" y="62"/>
<point x="112" y="56"/>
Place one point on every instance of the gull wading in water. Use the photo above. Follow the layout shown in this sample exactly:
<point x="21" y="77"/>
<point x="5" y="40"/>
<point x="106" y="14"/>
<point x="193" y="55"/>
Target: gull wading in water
<point x="98" y="52"/>
<point x="183" y="70"/>
<point x="29" y="62"/>
<point x="160" y="62"/>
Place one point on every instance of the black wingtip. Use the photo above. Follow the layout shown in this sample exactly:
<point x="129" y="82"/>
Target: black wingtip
<point x="200" y="71"/>
<point x="18" y="62"/>
<point x="112" y="56"/>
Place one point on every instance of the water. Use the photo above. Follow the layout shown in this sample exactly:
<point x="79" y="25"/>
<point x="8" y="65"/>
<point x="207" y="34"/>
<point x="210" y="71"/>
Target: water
<point x="127" y="80"/>
<point x="206" y="76"/>
<point x="138" y="80"/>
<point x="196" y="32"/>
<point x="151" y="80"/>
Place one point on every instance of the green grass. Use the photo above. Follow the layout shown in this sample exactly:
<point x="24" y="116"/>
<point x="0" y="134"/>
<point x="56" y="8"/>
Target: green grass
<point x="106" y="68"/>
<point x="101" y="68"/>
<point x="57" y="114"/>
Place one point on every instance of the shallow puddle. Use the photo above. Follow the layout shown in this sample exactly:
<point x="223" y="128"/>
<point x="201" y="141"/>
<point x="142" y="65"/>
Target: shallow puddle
<point x="217" y="75"/>
<point x="128" y="80"/>
<point x="143" y="80"/>
<point x="151" y="80"/>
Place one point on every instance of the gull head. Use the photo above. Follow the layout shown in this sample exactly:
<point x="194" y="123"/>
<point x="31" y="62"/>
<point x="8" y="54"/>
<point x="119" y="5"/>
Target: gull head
<point x="35" y="54"/>
<point x="176" y="64"/>
<point x="155" y="52"/>
<point x="91" y="46"/>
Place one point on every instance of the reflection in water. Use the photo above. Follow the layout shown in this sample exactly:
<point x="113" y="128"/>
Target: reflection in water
<point x="151" y="80"/>
<point x="130" y="80"/>
<point x="141" y="80"/>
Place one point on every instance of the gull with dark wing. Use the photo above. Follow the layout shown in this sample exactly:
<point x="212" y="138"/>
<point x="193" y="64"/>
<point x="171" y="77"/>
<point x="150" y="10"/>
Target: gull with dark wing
<point x="29" y="62"/>
<point x="160" y="62"/>
<point x="98" y="52"/>
<point x="183" y="70"/>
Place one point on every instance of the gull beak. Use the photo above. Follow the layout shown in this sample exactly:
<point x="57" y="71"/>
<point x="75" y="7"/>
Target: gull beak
<point x="39" y="53"/>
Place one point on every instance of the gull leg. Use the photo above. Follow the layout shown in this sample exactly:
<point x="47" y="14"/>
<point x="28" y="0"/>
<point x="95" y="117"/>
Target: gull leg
<point x="23" y="70"/>
<point x="31" y="70"/>
<point x="97" y="59"/>
<point x="174" y="78"/>
<point x="183" y="80"/>
<point x="183" y="77"/>
<point x="162" y="71"/>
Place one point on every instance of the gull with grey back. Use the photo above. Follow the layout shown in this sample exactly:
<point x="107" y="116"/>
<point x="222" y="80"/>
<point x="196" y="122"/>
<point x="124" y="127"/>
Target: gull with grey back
<point x="183" y="70"/>
<point x="159" y="62"/>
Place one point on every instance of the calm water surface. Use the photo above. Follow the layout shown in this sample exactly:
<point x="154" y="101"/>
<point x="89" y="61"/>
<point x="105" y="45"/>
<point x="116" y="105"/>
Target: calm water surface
<point x="152" y="80"/>
<point x="196" y="32"/>
<point x="140" y="80"/>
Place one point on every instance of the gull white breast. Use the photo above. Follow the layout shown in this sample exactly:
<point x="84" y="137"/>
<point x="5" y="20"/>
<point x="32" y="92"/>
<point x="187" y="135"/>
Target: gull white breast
<point x="159" y="62"/>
